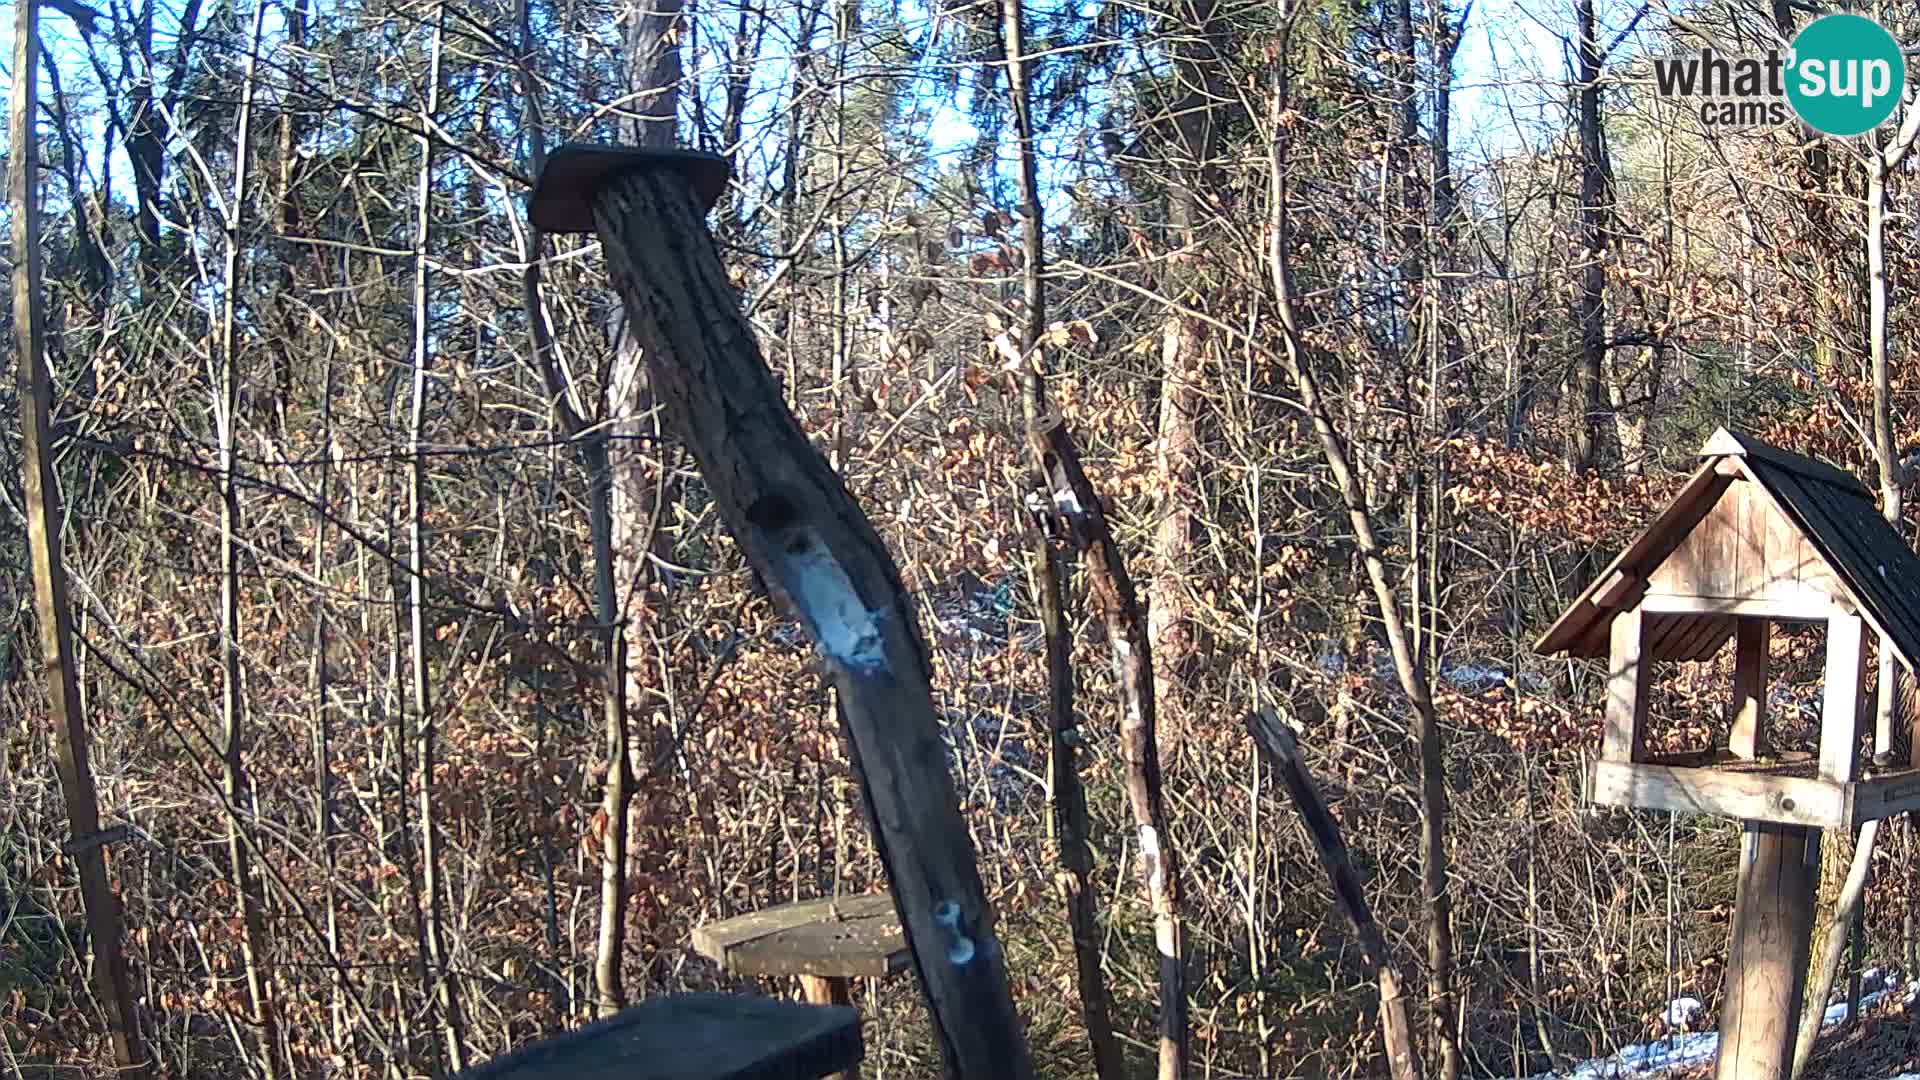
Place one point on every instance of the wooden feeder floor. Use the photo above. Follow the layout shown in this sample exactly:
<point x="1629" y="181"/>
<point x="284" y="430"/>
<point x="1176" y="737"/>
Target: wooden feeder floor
<point x="1784" y="788"/>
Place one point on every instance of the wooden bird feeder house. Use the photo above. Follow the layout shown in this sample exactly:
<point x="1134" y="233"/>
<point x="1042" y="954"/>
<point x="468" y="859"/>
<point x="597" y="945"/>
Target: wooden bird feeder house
<point x="1756" y="536"/>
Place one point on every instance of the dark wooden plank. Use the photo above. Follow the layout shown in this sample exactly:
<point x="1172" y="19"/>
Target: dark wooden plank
<point x="694" y="1037"/>
<point x="851" y="937"/>
<point x="1715" y="636"/>
<point x="1694" y="633"/>
<point x="1887" y="794"/>
<point x="1748" y="733"/>
<point x="1662" y="632"/>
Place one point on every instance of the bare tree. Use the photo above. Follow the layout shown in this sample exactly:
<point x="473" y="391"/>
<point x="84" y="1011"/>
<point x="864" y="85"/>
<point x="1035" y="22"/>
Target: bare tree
<point x="40" y="498"/>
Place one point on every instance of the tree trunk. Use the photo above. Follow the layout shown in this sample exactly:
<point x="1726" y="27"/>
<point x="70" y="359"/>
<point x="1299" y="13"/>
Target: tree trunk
<point x="1183" y="344"/>
<point x="1084" y="518"/>
<point x="1277" y="742"/>
<point x="1590" y="312"/>
<point x="819" y="555"/>
<point x="447" y="991"/>
<point x="232" y="707"/>
<point x="625" y="497"/>
<point x="1408" y="667"/>
<point x="1068" y="797"/>
<point x="52" y="609"/>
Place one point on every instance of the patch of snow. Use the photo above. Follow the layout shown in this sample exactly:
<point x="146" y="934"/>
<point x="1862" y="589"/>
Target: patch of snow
<point x="1683" y="1011"/>
<point x="1680" y="1051"/>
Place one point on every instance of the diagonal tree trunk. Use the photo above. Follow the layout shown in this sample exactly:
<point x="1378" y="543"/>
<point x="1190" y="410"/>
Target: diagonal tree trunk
<point x="1409" y="666"/>
<point x="1074" y="499"/>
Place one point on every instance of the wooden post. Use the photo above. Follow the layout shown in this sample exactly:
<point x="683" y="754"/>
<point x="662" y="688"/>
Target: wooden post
<point x="1628" y="675"/>
<point x="817" y="553"/>
<point x="830" y="990"/>
<point x="1277" y="742"/>
<point x="1749" y="734"/>
<point x="1840" y="710"/>
<point x="1767" y="956"/>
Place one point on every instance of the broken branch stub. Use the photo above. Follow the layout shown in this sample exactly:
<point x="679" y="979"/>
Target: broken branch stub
<point x="825" y="564"/>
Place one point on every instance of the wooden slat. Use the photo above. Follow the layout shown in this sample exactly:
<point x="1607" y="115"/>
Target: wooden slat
<point x="1629" y="674"/>
<point x="1752" y="796"/>
<point x="1806" y="609"/>
<point x="1619" y="590"/>
<point x="1885" y="796"/>
<point x="1702" y="636"/>
<point x="1661" y="632"/>
<point x="1756" y="574"/>
<point x="1719" y="631"/>
<point x="1749" y="730"/>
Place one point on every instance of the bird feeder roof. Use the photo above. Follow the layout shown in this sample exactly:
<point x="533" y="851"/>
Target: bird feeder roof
<point x="1761" y="530"/>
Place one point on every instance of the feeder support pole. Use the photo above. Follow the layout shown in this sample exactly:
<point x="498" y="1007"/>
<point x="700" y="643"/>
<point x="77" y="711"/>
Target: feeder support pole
<point x="817" y="554"/>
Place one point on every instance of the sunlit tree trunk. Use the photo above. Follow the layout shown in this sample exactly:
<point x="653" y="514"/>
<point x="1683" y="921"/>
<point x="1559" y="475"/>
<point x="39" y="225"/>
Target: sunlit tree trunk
<point x="446" y="989"/>
<point x="53" y="611"/>
<point x="232" y="705"/>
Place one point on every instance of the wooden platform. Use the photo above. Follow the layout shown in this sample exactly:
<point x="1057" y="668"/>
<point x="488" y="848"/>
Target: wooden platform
<point x="1785" y="789"/>
<point x="694" y="1037"/>
<point x="848" y="938"/>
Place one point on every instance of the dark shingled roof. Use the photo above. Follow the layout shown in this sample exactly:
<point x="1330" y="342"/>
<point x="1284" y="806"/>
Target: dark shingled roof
<point x="1832" y="509"/>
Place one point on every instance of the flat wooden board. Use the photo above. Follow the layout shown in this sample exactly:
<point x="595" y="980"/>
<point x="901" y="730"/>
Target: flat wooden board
<point x="1751" y="795"/>
<point x="1784" y="788"/>
<point x="694" y="1037"/>
<point x="852" y="937"/>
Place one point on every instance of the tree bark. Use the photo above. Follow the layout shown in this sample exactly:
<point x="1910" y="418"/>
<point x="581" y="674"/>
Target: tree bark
<point x="446" y="989"/>
<point x="1590" y="310"/>
<point x="232" y="707"/>
<point x="623" y="492"/>
<point x="1279" y="745"/>
<point x="1193" y="26"/>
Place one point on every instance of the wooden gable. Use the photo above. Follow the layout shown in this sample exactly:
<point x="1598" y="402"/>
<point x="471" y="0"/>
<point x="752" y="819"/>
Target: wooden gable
<point x="1745" y="548"/>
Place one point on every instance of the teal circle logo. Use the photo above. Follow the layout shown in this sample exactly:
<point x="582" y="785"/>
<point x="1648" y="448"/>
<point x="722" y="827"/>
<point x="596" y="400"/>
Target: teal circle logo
<point x="1845" y="75"/>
